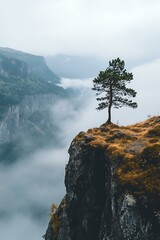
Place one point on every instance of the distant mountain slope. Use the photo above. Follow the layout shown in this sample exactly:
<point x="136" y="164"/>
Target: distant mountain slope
<point x="75" y="66"/>
<point x="24" y="74"/>
<point x="27" y="94"/>
<point x="37" y="64"/>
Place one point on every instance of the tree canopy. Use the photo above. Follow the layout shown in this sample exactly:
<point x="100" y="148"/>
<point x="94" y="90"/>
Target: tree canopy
<point x="111" y="83"/>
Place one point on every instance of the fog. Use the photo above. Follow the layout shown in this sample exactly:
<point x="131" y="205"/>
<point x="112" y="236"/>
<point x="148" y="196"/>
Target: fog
<point x="128" y="29"/>
<point x="29" y="187"/>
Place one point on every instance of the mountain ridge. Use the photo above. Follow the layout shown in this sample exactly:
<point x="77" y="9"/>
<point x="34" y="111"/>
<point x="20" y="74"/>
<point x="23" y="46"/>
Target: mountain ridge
<point x="36" y="63"/>
<point x="21" y="74"/>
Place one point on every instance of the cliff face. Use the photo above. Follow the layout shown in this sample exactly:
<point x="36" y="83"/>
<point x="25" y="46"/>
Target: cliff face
<point x="112" y="185"/>
<point x="27" y="126"/>
<point x="17" y="115"/>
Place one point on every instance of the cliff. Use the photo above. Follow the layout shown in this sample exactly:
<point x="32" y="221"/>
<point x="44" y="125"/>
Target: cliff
<point x="27" y="92"/>
<point x="112" y="185"/>
<point x="15" y="116"/>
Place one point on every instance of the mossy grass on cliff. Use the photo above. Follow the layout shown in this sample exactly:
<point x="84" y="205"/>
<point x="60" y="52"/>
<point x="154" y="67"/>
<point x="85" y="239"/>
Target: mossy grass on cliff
<point x="55" y="213"/>
<point x="54" y="219"/>
<point x="138" y="149"/>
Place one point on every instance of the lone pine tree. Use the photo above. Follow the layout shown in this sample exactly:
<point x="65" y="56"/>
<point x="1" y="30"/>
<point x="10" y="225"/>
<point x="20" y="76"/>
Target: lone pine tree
<point x="111" y="83"/>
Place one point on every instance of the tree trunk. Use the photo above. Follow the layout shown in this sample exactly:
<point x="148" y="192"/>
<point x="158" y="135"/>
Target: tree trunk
<point x="109" y="114"/>
<point x="110" y="104"/>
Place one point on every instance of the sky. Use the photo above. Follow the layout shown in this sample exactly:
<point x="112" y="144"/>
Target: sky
<point x="107" y="28"/>
<point x="102" y="28"/>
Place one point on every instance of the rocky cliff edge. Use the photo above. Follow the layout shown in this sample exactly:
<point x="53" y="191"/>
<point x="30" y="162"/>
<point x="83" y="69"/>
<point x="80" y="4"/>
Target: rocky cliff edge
<point x="112" y="185"/>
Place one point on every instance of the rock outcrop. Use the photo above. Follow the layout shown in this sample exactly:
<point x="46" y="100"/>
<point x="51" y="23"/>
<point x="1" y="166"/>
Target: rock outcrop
<point x="112" y="185"/>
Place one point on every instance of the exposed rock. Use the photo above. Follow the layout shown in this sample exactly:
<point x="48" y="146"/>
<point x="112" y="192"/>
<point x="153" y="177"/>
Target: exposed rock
<point x="103" y="129"/>
<point x="118" y="135"/>
<point x="112" y="193"/>
<point x="16" y="115"/>
<point x="88" y="138"/>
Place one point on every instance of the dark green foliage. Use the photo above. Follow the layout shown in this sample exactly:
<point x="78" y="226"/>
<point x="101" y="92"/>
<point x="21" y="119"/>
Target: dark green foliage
<point x="9" y="152"/>
<point x="111" y="83"/>
<point x="18" y="80"/>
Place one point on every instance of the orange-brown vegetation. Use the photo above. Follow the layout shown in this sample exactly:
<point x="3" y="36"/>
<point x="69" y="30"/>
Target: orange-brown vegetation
<point x="138" y="146"/>
<point x="54" y="219"/>
<point x="55" y="213"/>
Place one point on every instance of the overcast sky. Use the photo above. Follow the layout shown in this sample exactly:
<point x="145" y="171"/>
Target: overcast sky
<point x="109" y="28"/>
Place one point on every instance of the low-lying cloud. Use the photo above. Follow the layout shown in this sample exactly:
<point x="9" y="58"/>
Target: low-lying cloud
<point x="76" y="83"/>
<point x="29" y="188"/>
